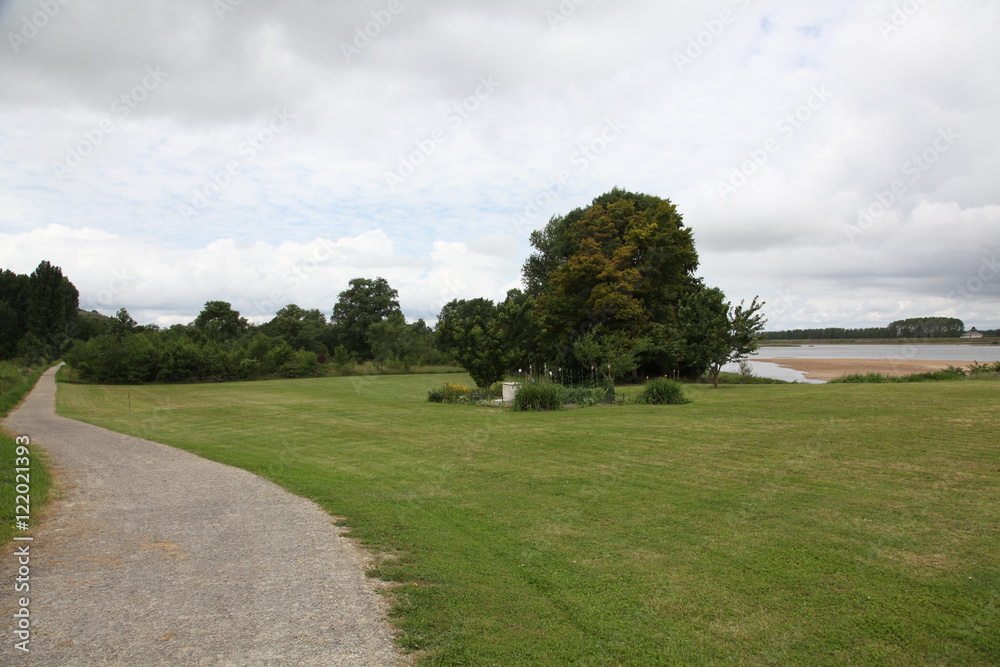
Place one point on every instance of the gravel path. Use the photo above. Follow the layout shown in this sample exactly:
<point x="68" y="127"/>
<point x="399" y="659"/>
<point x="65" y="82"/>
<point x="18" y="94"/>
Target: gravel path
<point x="158" y="557"/>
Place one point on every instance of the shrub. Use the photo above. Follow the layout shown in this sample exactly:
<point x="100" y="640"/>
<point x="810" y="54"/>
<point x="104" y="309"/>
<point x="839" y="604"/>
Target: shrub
<point x="866" y="378"/>
<point x="15" y="382"/>
<point x="537" y="396"/>
<point x="182" y="361"/>
<point x="662" y="391"/>
<point x="738" y="378"/>
<point x="980" y="370"/>
<point x="492" y="393"/>
<point x="301" y="363"/>
<point x="587" y="396"/>
<point x="343" y="360"/>
<point x="449" y="393"/>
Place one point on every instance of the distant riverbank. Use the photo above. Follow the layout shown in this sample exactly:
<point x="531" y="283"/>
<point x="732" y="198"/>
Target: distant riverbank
<point x="882" y="341"/>
<point x="819" y="363"/>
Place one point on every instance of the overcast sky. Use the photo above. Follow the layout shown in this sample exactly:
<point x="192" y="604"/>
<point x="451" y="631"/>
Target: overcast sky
<point x="839" y="158"/>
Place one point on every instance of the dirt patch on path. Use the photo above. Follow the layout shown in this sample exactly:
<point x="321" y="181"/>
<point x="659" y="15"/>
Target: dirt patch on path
<point x="155" y="556"/>
<point x="831" y="369"/>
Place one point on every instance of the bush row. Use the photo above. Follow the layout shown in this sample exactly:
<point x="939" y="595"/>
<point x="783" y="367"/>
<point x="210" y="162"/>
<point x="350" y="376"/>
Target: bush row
<point x="460" y="393"/>
<point x="160" y="357"/>
<point x="547" y="396"/>
<point x="975" y="371"/>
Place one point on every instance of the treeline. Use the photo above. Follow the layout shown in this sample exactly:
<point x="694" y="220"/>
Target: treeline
<point x="221" y="345"/>
<point x="610" y="291"/>
<point x="830" y="333"/>
<point x="38" y="314"/>
<point x="918" y="327"/>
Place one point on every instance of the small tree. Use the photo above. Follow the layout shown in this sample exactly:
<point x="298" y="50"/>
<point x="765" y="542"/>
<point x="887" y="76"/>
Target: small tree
<point x="611" y="354"/>
<point x="714" y="333"/>
<point x="472" y="331"/>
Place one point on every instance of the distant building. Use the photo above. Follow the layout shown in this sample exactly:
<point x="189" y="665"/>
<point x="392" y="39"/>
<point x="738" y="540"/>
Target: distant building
<point x="972" y="334"/>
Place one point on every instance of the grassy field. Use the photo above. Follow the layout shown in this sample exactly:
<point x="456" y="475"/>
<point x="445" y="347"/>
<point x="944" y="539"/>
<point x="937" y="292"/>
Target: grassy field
<point x="784" y="524"/>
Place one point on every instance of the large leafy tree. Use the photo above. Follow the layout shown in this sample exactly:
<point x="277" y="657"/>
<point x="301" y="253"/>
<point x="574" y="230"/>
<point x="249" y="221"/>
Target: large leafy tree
<point x="456" y="318"/>
<point x="609" y="355"/>
<point x="393" y="340"/>
<point x="218" y="322"/>
<point x="519" y="323"/>
<point x="617" y="268"/>
<point x="364" y="303"/>
<point x="302" y="329"/>
<point x="713" y="332"/>
<point x="472" y="330"/>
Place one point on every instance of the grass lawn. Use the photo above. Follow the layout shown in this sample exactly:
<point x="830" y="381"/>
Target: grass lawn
<point x="781" y="524"/>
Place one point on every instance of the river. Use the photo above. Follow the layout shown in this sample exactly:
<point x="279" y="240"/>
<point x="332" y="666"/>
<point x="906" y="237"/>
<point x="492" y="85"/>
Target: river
<point x="970" y="353"/>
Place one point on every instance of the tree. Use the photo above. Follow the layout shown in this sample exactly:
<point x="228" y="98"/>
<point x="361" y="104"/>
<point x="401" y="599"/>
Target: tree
<point x="14" y="292"/>
<point x="301" y="329"/>
<point x="10" y="332"/>
<point x="611" y="355"/>
<point x="621" y="265"/>
<point x="218" y="322"/>
<point x="91" y="325"/>
<point x="121" y="325"/>
<point x="51" y="308"/>
<point x="393" y="340"/>
<point x="471" y="330"/>
<point x="456" y="318"/>
<point x="714" y="333"/>
<point x="519" y="324"/>
<point x="364" y="303"/>
<point x="927" y="327"/>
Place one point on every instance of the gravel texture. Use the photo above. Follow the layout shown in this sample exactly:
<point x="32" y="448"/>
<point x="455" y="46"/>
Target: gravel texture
<point x="154" y="556"/>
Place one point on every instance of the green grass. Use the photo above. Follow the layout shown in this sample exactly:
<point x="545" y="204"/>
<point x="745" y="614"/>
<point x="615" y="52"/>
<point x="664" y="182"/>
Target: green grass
<point x="772" y="524"/>
<point x="15" y="383"/>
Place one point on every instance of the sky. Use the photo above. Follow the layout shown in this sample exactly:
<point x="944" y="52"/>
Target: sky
<point x="840" y="159"/>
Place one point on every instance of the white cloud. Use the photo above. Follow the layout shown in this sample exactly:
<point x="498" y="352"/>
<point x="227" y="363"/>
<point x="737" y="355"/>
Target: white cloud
<point x="685" y="130"/>
<point x="170" y="286"/>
